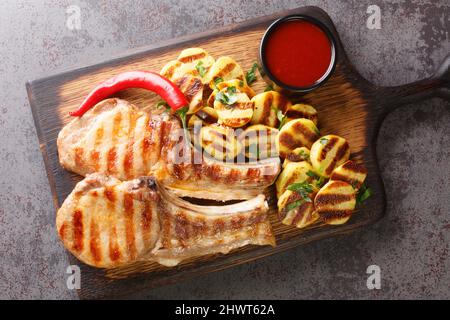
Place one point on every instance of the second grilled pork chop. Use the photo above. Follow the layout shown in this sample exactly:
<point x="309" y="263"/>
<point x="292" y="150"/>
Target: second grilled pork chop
<point x="108" y="223"/>
<point x="119" y="140"/>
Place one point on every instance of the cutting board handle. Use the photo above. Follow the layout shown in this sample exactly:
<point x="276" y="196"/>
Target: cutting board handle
<point x="436" y="85"/>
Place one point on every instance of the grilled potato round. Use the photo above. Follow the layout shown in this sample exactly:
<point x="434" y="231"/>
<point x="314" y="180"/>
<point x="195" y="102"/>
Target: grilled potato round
<point x="327" y="153"/>
<point x="220" y="142"/>
<point x="224" y="69"/>
<point x="293" y="210"/>
<point x="296" y="133"/>
<point x="335" y="202"/>
<point x="240" y="86"/>
<point x="301" y="110"/>
<point x="297" y="155"/>
<point x="189" y="62"/>
<point x="206" y="116"/>
<point x="192" y="88"/>
<point x="267" y="105"/>
<point x="293" y="172"/>
<point x="237" y="113"/>
<point x="350" y="172"/>
<point x="259" y="142"/>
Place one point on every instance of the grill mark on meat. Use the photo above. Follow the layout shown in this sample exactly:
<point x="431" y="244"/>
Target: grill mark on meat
<point x="111" y="160"/>
<point x="192" y="57"/>
<point x="199" y="226"/>
<point x="328" y="146"/>
<point x="77" y="223"/>
<point x="253" y="173"/>
<point x="79" y="156"/>
<point x="233" y="176"/>
<point x="112" y="153"/>
<point x="109" y="193"/>
<point x="128" y="159"/>
<point x="95" y="155"/>
<point x="114" y="251"/>
<point x="146" y="221"/>
<point x="339" y="155"/>
<point x="94" y="245"/>
<point x="181" y="228"/>
<point x="146" y="141"/>
<point x="129" y="225"/>
<point x="178" y="171"/>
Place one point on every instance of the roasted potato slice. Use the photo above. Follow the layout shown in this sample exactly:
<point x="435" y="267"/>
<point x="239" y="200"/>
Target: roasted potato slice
<point x="296" y="133"/>
<point x="266" y="107"/>
<point x="192" y="87"/>
<point x="234" y="108"/>
<point x="327" y="153"/>
<point x="301" y="110"/>
<point x="206" y="116"/>
<point x="224" y="69"/>
<point x="297" y="155"/>
<point x="335" y="202"/>
<point x="240" y="85"/>
<point x="220" y="142"/>
<point x="259" y="142"/>
<point x="350" y="172"/>
<point x="294" y="172"/>
<point x="191" y="61"/>
<point x="293" y="210"/>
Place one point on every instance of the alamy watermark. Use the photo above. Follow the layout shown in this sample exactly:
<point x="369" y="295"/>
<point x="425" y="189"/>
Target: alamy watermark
<point x="73" y="21"/>
<point x="374" y="278"/>
<point x="74" y="278"/>
<point x="374" y="20"/>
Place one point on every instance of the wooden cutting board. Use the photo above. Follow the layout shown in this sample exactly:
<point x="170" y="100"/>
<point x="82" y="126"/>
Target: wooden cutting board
<point x="348" y="105"/>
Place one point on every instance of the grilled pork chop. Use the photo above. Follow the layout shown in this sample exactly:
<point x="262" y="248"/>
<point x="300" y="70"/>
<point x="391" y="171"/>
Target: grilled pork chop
<point x="117" y="139"/>
<point x="108" y="223"/>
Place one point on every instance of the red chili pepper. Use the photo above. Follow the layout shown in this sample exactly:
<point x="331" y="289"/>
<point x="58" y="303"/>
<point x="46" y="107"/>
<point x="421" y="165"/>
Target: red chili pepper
<point x="134" y="79"/>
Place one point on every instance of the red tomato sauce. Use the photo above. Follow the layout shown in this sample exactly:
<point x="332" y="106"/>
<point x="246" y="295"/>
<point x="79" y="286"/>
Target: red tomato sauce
<point x="298" y="53"/>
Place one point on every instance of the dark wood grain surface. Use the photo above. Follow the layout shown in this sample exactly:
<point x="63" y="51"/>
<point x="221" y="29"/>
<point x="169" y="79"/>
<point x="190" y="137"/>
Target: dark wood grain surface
<point x="347" y="104"/>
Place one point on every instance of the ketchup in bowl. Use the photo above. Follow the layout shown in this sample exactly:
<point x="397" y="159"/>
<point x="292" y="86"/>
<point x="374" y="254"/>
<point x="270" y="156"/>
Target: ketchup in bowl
<point x="298" y="53"/>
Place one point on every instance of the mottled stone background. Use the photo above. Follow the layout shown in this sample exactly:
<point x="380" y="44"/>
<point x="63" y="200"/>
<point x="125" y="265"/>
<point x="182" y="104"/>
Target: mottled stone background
<point x="411" y="244"/>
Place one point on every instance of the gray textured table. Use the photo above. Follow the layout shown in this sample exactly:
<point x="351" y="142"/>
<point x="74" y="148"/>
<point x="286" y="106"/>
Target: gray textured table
<point x="410" y="245"/>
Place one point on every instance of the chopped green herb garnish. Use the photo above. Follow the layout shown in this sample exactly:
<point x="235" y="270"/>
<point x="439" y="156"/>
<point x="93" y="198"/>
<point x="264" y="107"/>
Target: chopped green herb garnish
<point x="200" y="68"/>
<point x="241" y="83"/>
<point x="228" y="96"/>
<point x="217" y="81"/>
<point x="280" y="116"/>
<point x="182" y="114"/>
<point x="320" y="182"/>
<point x="303" y="189"/>
<point x="295" y="204"/>
<point x="363" y="194"/>
<point x="303" y="154"/>
<point x="250" y="76"/>
<point x="311" y="174"/>
<point x="268" y="88"/>
<point x="323" y="141"/>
